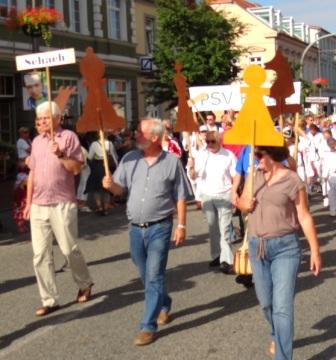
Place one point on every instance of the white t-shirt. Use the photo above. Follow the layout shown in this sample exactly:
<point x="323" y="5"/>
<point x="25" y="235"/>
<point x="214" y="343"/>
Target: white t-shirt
<point x="96" y="153"/>
<point x="22" y="146"/>
<point x="317" y="140"/>
<point x="329" y="167"/>
<point x="215" y="171"/>
<point x="333" y="132"/>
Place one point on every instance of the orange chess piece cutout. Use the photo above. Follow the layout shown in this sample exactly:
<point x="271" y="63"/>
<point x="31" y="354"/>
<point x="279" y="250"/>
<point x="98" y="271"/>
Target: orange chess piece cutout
<point x="282" y="87"/>
<point x="63" y="96"/>
<point x="254" y="125"/>
<point x="98" y="112"/>
<point x="184" y="117"/>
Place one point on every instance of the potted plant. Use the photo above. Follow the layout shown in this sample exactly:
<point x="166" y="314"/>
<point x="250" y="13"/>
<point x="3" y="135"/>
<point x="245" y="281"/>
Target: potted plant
<point x="320" y="82"/>
<point x="35" y="21"/>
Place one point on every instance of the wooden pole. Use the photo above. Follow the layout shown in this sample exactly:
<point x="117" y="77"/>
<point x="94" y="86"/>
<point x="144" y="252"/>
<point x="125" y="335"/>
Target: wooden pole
<point x="199" y="114"/>
<point x="251" y="181"/>
<point x="281" y="123"/>
<point x="250" y="184"/>
<point x="296" y="131"/>
<point x="49" y="101"/>
<point x="102" y="141"/>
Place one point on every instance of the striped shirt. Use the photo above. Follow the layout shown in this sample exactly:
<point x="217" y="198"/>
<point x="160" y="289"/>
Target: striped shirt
<point x="52" y="183"/>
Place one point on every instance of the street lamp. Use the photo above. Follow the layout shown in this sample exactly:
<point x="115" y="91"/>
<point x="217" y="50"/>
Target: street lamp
<point x="307" y="49"/>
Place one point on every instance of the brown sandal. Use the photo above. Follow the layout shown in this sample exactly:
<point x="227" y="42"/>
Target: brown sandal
<point x="45" y="310"/>
<point x="84" y="295"/>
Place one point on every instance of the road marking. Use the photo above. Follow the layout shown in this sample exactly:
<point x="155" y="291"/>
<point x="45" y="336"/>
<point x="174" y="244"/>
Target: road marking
<point x="19" y="343"/>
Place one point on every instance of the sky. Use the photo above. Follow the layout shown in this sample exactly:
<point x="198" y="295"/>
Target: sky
<point x="311" y="12"/>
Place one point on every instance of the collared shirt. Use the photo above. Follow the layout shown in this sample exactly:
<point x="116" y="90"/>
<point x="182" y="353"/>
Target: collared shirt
<point x="153" y="190"/>
<point x="52" y="183"/>
<point x="215" y="171"/>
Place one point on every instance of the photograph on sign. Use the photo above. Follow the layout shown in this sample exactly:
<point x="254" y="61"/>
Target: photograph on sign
<point x="34" y="89"/>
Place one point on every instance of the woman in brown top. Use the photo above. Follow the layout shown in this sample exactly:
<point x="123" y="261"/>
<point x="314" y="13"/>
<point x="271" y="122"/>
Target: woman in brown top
<point x="277" y="210"/>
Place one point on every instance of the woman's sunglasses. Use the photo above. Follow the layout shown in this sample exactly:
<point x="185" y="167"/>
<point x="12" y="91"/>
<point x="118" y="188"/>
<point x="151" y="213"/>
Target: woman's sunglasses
<point x="259" y="154"/>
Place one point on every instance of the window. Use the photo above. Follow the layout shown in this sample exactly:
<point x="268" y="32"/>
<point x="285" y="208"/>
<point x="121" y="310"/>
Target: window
<point x="5" y="7"/>
<point x="72" y="108"/>
<point x="149" y="34"/>
<point x="117" y="19"/>
<point x="6" y="86"/>
<point x="49" y="3"/>
<point x="119" y="95"/>
<point x="5" y="122"/>
<point x="113" y="14"/>
<point x="256" y="60"/>
<point x="74" y="15"/>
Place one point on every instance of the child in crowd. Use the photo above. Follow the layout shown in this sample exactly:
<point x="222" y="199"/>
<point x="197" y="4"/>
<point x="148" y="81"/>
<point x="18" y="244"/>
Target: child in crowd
<point x="20" y="193"/>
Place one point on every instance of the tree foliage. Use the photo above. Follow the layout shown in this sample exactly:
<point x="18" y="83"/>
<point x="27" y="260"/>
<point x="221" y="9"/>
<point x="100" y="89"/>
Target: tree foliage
<point x="201" y="39"/>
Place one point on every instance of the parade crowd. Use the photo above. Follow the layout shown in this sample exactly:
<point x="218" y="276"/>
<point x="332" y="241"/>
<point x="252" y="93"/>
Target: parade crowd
<point x="157" y="171"/>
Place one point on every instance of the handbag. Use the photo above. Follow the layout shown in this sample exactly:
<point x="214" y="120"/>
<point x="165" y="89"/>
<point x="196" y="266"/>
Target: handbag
<point x="241" y="261"/>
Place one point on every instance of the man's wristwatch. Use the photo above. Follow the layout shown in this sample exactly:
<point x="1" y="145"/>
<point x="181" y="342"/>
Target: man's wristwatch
<point x="180" y="226"/>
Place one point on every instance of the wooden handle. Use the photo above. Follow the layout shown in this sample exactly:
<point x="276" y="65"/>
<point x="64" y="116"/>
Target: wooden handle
<point x="296" y="131"/>
<point x="250" y="184"/>
<point x="252" y="172"/>
<point x="102" y="141"/>
<point x="281" y="122"/>
<point x="49" y="100"/>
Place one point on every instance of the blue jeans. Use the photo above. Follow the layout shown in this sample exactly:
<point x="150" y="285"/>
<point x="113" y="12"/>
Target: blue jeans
<point x="275" y="276"/>
<point x="149" y="252"/>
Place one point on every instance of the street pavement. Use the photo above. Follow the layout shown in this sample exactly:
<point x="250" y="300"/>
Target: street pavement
<point x="212" y="316"/>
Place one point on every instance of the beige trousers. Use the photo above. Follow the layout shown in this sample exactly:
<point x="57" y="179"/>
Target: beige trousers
<point x="60" y="221"/>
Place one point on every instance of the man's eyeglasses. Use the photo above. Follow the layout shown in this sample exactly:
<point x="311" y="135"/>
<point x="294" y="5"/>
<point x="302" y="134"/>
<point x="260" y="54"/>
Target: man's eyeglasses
<point x="211" y="142"/>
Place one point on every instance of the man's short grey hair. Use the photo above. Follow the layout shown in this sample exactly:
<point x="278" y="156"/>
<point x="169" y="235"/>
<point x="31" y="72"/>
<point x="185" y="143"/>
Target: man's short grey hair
<point x="42" y="108"/>
<point x="216" y="134"/>
<point x="158" y="128"/>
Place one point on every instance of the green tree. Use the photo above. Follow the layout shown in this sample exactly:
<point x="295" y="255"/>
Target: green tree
<point x="201" y="39"/>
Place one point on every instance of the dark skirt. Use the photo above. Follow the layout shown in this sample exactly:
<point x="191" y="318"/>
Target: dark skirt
<point x="94" y="182"/>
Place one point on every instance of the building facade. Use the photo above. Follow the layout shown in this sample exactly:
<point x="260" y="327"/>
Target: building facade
<point x="118" y="31"/>
<point x="267" y="30"/>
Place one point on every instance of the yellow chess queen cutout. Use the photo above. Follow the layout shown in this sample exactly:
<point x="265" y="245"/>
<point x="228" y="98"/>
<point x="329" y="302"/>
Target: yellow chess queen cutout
<point x="254" y="125"/>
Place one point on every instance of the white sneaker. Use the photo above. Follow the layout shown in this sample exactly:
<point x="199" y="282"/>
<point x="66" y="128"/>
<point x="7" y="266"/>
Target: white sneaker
<point x="85" y="209"/>
<point x="325" y="202"/>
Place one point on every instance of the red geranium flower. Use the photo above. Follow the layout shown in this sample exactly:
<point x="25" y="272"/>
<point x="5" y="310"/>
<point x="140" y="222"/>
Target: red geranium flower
<point x="320" y="81"/>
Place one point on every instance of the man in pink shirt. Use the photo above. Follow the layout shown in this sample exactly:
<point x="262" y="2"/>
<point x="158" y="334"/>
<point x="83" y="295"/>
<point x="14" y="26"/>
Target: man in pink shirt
<point x="51" y="206"/>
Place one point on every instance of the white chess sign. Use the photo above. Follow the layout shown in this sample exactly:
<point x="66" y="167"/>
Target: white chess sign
<point x="45" y="59"/>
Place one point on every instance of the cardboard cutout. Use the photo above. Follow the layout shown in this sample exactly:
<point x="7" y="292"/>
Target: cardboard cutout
<point x="283" y="87"/>
<point x="184" y="117"/>
<point x="98" y="112"/>
<point x="254" y="125"/>
<point x="63" y="96"/>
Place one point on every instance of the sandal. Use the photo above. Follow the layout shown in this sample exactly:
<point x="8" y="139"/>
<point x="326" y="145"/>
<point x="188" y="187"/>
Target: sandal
<point x="45" y="310"/>
<point x="84" y="295"/>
